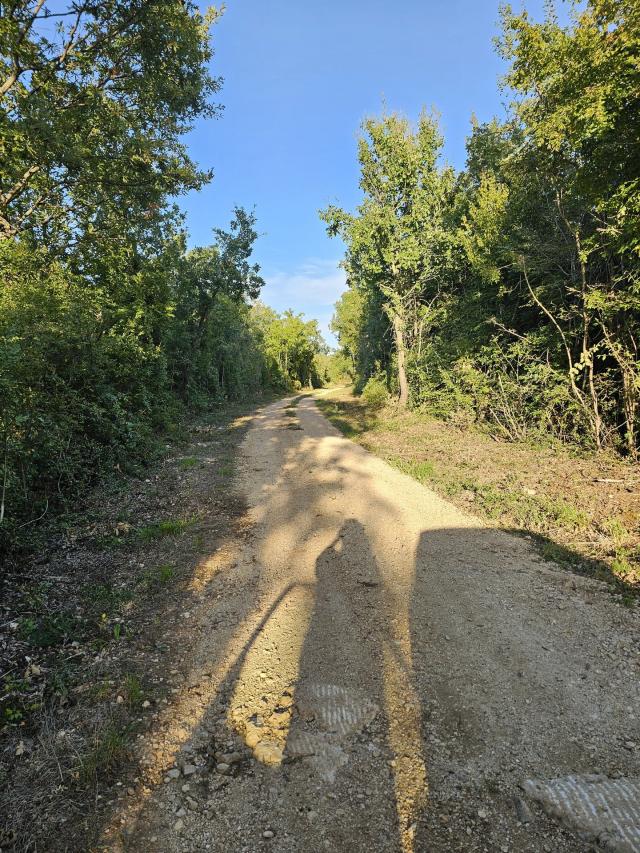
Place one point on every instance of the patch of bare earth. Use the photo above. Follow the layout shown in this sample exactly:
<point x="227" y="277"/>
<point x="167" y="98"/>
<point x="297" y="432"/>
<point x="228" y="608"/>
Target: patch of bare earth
<point x="583" y="509"/>
<point x="96" y="629"/>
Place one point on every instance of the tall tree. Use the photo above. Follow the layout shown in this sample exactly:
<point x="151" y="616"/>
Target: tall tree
<point x="94" y="96"/>
<point x="396" y="241"/>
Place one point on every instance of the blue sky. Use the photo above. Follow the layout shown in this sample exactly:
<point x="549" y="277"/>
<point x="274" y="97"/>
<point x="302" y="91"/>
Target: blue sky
<point x="299" y="77"/>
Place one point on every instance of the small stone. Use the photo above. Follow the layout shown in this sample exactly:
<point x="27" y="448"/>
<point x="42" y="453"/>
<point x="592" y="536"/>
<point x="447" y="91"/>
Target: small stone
<point x="186" y="787"/>
<point x="252" y="736"/>
<point x="181" y="812"/>
<point x="119" y="700"/>
<point x="223" y="768"/>
<point x="630" y="745"/>
<point x="268" y="753"/>
<point x="192" y="803"/>
<point x="522" y="811"/>
<point x="268" y="833"/>
<point x="189" y="769"/>
<point x="178" y="826"/>
<point x="174" y="773"/>
<point x="146" y="704"/>
<point x="482" y="814"/>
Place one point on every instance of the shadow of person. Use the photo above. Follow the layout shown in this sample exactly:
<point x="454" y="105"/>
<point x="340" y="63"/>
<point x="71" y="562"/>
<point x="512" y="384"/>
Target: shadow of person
<point x="355" y="730"/>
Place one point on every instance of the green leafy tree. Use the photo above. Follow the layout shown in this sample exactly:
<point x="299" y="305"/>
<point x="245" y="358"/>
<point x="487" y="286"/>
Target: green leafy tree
<point x="203" y="277"/>
<point x="397" y="241"/>
<point x="293" y="344"/>
<point x="94" y="97"/>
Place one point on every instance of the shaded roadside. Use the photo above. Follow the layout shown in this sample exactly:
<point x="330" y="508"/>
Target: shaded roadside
<point x="94" y="631"/>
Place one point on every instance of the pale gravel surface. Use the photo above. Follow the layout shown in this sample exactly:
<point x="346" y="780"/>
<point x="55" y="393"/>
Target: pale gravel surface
<point x="397" y="669"/>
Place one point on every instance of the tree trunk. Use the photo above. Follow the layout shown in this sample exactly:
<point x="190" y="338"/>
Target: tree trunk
<point x="398" y="329"/>
<point x="630" y="404"/>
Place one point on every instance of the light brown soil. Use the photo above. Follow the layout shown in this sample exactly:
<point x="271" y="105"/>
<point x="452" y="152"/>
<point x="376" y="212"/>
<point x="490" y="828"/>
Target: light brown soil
<point x="375" y="669"/>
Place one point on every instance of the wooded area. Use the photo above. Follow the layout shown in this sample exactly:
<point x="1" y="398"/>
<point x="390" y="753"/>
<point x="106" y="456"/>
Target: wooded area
<point x="109" y="325"/>
<point x="509" y="294"/>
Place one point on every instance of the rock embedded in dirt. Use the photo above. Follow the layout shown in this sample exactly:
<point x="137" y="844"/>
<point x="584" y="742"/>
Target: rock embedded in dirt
<point x="252" y="736"/>
<point x="268" y="752"/>
<point x="522" y="811"/>
<point x="189" y="769"/>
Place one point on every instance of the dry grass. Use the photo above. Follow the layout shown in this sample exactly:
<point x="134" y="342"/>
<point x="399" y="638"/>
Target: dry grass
<point x="582" y="509"/>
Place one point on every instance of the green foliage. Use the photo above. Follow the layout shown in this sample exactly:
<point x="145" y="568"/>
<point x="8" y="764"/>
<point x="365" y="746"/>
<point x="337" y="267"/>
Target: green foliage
<point x="49" y="629"/>
<point x="133" y="692"/>
<point x="160" y="529"/>
<point x="398" y="245"/>
<point x="159" y="577"/>
<point x="375" y="393"/>
<point x="513" y="288"/>
<point x="109" y="327"/>
<point x="419" y="470"/>
<point x="109" y="745"/>
<point x="291" y="346"/>
<point x="95" y="97"/>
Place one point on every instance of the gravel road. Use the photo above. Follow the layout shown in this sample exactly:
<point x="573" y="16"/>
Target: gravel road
<point x="378" y="671"/>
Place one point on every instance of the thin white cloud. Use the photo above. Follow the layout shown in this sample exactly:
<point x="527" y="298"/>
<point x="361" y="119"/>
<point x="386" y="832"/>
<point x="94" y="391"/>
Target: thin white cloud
<point x="312" y="288"/>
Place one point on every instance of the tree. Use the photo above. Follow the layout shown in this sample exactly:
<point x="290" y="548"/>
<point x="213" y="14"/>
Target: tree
<point x="293" y="344"/>
<point x="362" y="328"/>
<point x="203" y="277"/>
<point x="396" y="241"/>
<point x="94" y="97"/>
<point x="577" y="109"/>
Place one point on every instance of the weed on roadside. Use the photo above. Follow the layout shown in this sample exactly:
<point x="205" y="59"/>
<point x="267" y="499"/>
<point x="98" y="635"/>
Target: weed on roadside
<point x="108" y="747"/>
<point x="160" y="529"/>
<point x="188" y="462"/>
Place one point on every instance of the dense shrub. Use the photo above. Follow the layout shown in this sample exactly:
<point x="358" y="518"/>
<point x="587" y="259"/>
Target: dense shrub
<point x="375" y="393"/>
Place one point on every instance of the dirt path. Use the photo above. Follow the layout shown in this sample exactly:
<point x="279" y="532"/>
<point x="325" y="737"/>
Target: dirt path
<point x="375" y="670"/>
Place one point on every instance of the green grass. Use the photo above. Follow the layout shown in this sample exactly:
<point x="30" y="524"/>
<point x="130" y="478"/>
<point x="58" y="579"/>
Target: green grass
<point x="49" y="629"/>
<point x="105" y="599"/>
<point x="109" y="747"/>
<point x="188" y="462"/>
<point x="555" y="553"/>
<point x="133" y="692"/>
<point x="158" y="577"/>
<point x="421" y="471"/>
<point x="506" y="502"/>
<point x="567" y="515"/>
<point x="616" y="530"/>
<point x="160" y="529"/>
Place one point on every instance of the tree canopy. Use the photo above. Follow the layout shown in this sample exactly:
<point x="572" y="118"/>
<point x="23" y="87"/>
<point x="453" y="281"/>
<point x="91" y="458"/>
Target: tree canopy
<point x="513" y="287"/>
